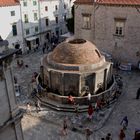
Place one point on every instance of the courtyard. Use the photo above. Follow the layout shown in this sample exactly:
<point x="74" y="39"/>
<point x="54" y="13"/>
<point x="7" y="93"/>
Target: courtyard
<point x="48" y="124"/>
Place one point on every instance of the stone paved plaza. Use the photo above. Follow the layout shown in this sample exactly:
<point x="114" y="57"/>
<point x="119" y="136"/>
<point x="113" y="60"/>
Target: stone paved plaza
<point x="47" y="124"/>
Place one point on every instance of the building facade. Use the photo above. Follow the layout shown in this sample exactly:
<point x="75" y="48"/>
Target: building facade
<point x="11" y="26"/>
<point x="31" y="23"/>
<point x="53" y="18"/>
<point x="42" y="19"/>
<point x="112" y="25"/>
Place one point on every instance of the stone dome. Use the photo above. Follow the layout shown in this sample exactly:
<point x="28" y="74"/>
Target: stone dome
<point x="77" y="51"/>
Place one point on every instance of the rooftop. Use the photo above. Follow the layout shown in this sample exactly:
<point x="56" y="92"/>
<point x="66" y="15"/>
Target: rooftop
<point x="77" y="51"/>
<point x="109" y="2"/>
<point x="9" y="2"/>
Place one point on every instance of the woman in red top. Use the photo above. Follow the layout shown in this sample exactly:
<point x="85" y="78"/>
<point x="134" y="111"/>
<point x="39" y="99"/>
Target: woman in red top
<point x="90" y="111"/>
<point x="122" y="135"/>
<point x="70" y="99"/>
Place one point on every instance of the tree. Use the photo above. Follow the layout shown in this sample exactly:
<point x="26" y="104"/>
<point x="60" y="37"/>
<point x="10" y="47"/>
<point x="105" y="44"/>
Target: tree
<point x="70" y="21"/>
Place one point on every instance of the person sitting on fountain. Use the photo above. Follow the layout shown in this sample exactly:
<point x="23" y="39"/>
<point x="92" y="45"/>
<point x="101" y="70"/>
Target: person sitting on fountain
<point x="90" y="112"/>
<point x="70" y="99"/>
<point x="103" y="102"/>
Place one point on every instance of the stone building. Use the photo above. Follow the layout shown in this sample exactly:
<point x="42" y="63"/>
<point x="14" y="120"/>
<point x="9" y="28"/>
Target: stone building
<point x="10" y="116"/>
<point x="11" y="25"/>
<point x="114" y="26"/>
<point x="76" y="66"/>
<point x="33" y="22"/>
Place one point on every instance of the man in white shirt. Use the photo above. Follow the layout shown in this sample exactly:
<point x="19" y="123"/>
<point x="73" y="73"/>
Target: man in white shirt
<point x="89" y="97"/>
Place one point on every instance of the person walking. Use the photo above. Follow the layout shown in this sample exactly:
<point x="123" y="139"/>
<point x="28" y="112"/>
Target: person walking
<point x="90" y="112"/>
<point x="43" y="49"/>
<point x="89" y="97"/>
<point x="37" y="105"/>
<point x="76" y="108"/>
<point x="124" y="123"/>
<point x="138" y="93"/>
<point x="65" y="126"/>
<point x="121" y="135"/>
<point x="98" y="105"/>
<point x="109" y="137"/>
<point x="28" y="108"/>
<point x="137" y="134"/>
<point x="88" y="133"/>
<point x="15" y="80"/>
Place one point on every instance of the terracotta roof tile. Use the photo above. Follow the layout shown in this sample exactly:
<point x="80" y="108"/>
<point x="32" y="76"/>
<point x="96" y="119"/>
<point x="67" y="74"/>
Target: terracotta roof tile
<point x="84" y="1"/>
<point x="8" y="2"/>
<point x="124" y="2"/>
<point x="114" y="2"/>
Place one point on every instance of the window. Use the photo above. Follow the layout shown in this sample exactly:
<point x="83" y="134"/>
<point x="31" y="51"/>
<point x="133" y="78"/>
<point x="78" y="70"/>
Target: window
<point x="12" y="13"/>
<point x="98" y="53"/>
<point x="65" y="6"/>
<point x="14" y="29"/>
<point x="34" y="3"/>
<point x="56" y="8"/>
<point x="35" y="16"/>
<point x="86" y="21"/>
<point x="56" y="20"/>
<point x="36" y="29"/>
<point x="27" y="31"/>
<point x="47" y="22"/>
<point x="65" y="17"/>
<point x="57" y="32"/>
<point x="26" y="18"/>
<point x="46" y="8"/>
<point x="119" y="27"/>
<point x="25" y="3"/>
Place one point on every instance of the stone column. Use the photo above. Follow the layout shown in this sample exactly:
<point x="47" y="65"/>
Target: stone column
<point x="10" y="116"/>
<point x="42" y="73"/>
<point x="62" y="84"/>
<point x="105" y="79"/>
<point x="79" y="93"/>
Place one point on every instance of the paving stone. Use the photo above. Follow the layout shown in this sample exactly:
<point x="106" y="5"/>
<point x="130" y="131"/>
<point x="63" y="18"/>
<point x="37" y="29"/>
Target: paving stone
<point x="48" y="124"/>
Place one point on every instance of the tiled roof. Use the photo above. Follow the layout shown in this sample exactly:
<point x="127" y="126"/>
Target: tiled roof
<point x="8" y="2"/>
<point x="112" y="2"/>
<point x="84" y="1"/>
<point x="126" y="2"/>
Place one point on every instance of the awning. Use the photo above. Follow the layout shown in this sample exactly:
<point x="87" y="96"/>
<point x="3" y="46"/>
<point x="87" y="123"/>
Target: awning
<point x="31" y="38"/>
<point x="66" y="35"/>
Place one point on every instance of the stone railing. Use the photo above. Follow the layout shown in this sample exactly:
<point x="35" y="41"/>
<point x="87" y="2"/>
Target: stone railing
<point x="109" y="93"/>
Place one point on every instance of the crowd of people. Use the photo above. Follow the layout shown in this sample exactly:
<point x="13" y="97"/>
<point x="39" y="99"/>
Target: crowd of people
<point x="94" y="109"/>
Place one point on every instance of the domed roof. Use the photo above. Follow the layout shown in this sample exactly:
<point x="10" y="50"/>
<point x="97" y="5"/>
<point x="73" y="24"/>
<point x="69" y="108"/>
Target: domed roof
<point x="77" y="51"/>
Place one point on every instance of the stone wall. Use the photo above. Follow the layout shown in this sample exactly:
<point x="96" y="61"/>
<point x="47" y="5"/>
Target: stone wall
<point x="102" y="32"/>
<point x="10" y="116"/>
<point x="71" y="83"/>
<point x="109" y="93"/>
<point x="75" y="83"/>
<point x="88" y="80"/>
<point x="56" y="81"/>
<point x="79" y="31"/>
<point x="8" y="133"/>
<point x="4" y="104"/>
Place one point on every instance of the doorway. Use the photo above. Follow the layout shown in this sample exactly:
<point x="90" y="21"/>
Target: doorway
<point x="29" y="45"/>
